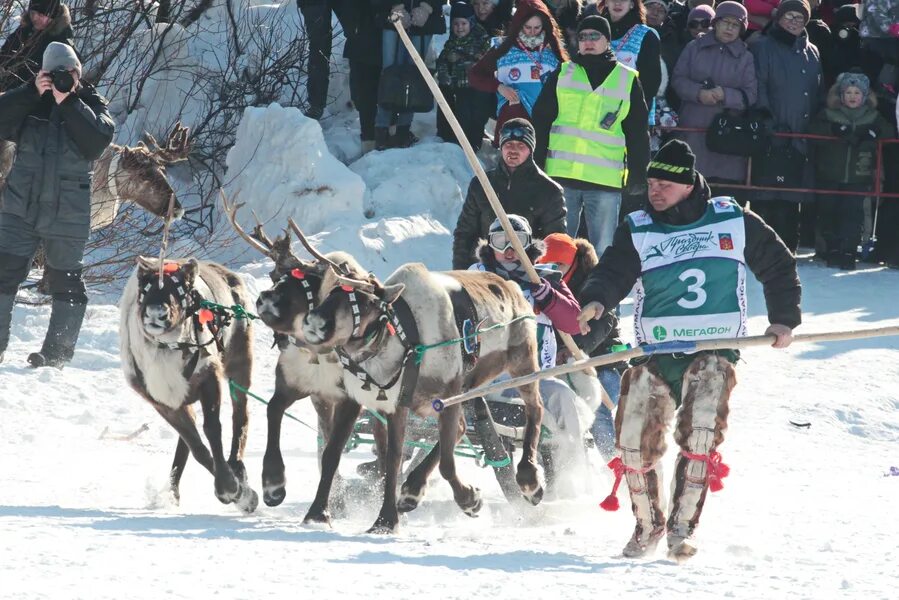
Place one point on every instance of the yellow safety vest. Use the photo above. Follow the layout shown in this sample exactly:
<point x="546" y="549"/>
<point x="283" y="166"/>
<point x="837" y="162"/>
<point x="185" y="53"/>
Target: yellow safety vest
<point x="586" y="141"/>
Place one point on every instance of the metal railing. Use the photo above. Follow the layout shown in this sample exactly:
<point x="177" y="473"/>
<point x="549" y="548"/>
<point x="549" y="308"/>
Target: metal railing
<point x="876" y="192"/>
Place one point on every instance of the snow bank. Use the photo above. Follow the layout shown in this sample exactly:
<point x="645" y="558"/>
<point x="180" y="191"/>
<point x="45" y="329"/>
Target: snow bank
<point x="282" y="168"/>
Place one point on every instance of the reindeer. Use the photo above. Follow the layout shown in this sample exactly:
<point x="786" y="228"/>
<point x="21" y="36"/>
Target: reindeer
<point x="138" y="175"/>
<point x="301" y="372"/>
<point x="375" y="327"/>
<point x="175" y="351"/>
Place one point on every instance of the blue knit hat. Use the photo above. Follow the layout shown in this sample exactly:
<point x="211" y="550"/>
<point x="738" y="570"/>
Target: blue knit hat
<point x="856" y="80"/>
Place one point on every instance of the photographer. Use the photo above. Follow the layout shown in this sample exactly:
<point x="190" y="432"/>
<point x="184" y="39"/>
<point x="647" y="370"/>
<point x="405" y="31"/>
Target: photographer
<point x="60" y="126"/>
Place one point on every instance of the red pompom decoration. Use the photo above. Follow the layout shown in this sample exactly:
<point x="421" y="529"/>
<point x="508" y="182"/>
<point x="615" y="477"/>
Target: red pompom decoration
<point x="204" y="315"/>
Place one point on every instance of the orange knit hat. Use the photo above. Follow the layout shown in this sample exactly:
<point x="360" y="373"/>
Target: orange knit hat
<point x="560" y="249"/>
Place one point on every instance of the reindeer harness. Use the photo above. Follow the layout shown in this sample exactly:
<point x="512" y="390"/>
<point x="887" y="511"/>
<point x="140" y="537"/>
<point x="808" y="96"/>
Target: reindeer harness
<point x="397" y="319"/>
<point x="194" y="307"/>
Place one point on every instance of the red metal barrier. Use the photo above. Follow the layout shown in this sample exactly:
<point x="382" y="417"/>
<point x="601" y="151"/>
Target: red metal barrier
<point x="877" y="192"/>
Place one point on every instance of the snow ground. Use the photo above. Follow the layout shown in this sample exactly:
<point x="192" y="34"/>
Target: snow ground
<point x="804" y="514"/>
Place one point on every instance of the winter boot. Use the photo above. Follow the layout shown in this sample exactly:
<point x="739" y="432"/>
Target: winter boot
<point x="6" y="303"/>
<point x="681" y="545"/>
<point x="644" y="540"/>
<point x="404" y="138"/>
<point x="62" y="335"/>
<point x="382" y="138"/>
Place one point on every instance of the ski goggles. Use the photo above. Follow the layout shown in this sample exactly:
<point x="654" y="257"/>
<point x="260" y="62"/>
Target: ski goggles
<point x="499" y="241"/>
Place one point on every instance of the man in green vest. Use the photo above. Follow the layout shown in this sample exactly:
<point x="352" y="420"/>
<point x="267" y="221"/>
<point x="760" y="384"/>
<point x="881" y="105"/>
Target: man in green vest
<point x="686" y="256"/>
<point x="592" y="139"/>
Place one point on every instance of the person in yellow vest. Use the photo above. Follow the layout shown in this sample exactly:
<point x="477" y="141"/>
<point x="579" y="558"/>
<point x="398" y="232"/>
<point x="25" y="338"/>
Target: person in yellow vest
<point x="592" y="138"/>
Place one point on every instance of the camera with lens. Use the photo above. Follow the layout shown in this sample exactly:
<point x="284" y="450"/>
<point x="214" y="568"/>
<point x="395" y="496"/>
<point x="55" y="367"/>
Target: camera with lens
<point x="62" y="80"/>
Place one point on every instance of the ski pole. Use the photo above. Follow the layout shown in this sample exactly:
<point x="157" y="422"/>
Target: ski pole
<point x="479" y="172"/>
<point x="664" y="348"/>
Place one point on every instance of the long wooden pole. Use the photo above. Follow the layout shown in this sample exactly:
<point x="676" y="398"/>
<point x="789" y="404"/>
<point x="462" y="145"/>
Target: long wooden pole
<point x="664" y="348"/>
<point x="479" y="172"/>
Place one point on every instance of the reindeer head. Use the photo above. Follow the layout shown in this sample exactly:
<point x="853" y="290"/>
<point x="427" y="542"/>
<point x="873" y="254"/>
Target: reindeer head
<point x="145" y="182"/>
<point x="163" y="309"/>
<point x="350" y="310"/>
<point x="297" y="282"/>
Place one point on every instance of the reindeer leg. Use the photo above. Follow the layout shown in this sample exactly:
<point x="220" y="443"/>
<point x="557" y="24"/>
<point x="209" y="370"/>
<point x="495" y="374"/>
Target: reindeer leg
<point x="182" y="452"/>
<point x="467" y="497"/>
<point x="389" y="517"/>
<point x="345" y="415"/>
<point x="227" y="486"/>
<point x="413" y="489"/>
<point x="529" y="476"/>
<point x="182" y="421"/>
<point x="237" y="369"/>
<point x="273" y="480"/>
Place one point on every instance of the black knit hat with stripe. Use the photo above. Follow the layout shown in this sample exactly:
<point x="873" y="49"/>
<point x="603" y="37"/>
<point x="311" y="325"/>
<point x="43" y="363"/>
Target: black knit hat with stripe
<point x="675" y="162"/>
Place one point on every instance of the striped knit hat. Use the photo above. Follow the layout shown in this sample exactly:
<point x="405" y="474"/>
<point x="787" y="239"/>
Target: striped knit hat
<point x="675" y="162"/>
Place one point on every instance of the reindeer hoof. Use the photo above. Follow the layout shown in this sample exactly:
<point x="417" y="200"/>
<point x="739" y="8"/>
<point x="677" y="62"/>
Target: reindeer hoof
<point x="383" y="526"/>
<point x="535" y="497"/>
<point x="248" y="500"/>
<point x="408" y="500"/>
<point x="319" y="517"/>
<point x="274" y="496"/>
<point x="227" y="489"/>
<point x="474" y="504"/>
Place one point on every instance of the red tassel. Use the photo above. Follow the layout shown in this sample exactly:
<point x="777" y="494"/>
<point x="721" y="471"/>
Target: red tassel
<point x="297" y="274"/>
<point x="611" y="502"/>
<point x="204" y="315"/>
<point x="169" y="268"/>
<point x="717" y="470"/>
<point x="390" y="328"/>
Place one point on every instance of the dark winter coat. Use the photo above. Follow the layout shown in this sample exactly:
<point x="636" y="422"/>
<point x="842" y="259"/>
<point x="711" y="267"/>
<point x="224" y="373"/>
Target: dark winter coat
<point x="23" y="51"/>
<point x="766" y="256"/>
<point x="435" y="24"/>
<point x="671" y="45"/>
<point x="363" y="37"/>
<point x="789" y="75"/>
<point x="851" y="160"/>
<point x="730" y="66"/>
<point x="459" y="54"/>
<point x="788" y="70"/>
<point x="528" y="192"/>
<point x="819" y="35"/>
<point x="49" y="185"/>
<point x="604" y="331"/>
<point x="636" y="136"/>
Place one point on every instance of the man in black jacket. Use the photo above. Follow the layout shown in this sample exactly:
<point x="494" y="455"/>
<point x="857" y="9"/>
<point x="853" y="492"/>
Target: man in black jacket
<point x="523" y="189"/>
<point x="687" y="255"/>
<point x="587" y="142"/>
<point x="60" y="126"/>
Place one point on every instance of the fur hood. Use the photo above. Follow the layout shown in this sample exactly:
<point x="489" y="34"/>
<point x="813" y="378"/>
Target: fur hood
<point x="57" y="26"/>
<point x="585" y="259"/>
<point x="833" y="98"/>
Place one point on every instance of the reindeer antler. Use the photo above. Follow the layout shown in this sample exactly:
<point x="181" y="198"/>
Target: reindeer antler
<point x="338" y="269"/>
<point x="177" y="146"/>
<point x="231" y="211"/>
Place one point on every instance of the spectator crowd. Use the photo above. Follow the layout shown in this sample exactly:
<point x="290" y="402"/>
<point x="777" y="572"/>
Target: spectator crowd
<point x="605" y="83"/>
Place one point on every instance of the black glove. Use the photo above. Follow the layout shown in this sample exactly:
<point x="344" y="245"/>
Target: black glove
<point x="841" y="129"/>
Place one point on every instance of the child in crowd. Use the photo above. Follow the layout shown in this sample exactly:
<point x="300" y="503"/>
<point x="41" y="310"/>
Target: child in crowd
<point x="467" y="43"/>
<point x="847" y="164"/>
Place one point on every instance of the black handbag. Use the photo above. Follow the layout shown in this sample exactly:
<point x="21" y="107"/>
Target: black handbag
<point x="738" y="132"/>
<point x="403" y="90"/>
<point x="779" y="165"/>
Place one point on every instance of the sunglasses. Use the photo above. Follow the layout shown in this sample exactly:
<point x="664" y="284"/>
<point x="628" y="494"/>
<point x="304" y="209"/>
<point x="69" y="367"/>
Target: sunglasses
<point x="703" y="24"/>
<point x="589" y="37"/>
<point x="499" y="241"/>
